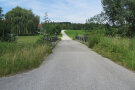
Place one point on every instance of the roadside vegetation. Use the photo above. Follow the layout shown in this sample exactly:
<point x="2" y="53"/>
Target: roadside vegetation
<point x="21" y="47"/>
<point x="27" y="53"/>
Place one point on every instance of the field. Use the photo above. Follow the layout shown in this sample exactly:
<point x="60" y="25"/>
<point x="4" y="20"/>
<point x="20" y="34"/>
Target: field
<point x="120" y="50"/>
<point x="26" y="53"/>
<point x="29" y="39"/>
<point x="73" y="33"/>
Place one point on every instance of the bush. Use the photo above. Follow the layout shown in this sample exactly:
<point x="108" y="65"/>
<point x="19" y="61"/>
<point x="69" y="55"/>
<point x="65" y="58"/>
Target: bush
<point x="51" y="28"/>
<point x="94" y="38"/>
<point x="123" y="30"/>
<point x="111" y="31"/>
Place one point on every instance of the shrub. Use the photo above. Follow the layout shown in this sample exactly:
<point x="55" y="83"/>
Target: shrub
<point x="111" y="31"/>
<point x="51" y="28"/>
<point x="94" y="39"/>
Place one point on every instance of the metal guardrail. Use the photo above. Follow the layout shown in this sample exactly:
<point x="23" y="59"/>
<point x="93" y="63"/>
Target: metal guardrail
<point x="82" y="38"/>
<point x="50" y="39"/>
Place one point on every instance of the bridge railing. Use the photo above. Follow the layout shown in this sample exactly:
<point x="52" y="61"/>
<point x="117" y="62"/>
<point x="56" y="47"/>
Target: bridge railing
<point x="50" y="39"/>
<point x="82" y="38"/>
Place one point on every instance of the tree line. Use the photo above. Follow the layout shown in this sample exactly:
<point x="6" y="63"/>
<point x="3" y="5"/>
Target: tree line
<point x="18" y="21"/>
<point x="51" y="28"/>
<point x="56" y="27"/>
<point x="118" y="17"/>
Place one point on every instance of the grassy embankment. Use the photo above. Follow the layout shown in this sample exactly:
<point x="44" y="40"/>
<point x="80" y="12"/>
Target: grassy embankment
<point x="27" y="53"/>
<point x="120" y="50"/>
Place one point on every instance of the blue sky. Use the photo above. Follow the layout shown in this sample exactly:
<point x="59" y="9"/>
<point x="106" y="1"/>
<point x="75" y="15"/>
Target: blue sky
<point x="76" y="11"/>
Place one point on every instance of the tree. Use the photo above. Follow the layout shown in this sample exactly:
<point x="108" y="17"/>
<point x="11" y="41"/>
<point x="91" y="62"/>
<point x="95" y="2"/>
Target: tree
<point x="114" y="9"/>
<point x="1" y="15"/>
<point x="22" y="21"/>
<point x="98" y="19"/>
<point x="4" y="28"/>
<point x="130" y="16"/>
<point x="97" y="22"/>
<point x="49" y="27"/>
<point x="46" y="18"/>
<point x="121" y="14"/>
<point x="1" y="24"/>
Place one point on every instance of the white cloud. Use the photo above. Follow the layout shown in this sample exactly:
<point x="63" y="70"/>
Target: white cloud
<point x="60" y="10"/>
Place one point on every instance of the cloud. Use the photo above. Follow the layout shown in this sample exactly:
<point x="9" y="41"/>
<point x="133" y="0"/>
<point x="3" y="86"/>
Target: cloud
<point x="58" y="10"/>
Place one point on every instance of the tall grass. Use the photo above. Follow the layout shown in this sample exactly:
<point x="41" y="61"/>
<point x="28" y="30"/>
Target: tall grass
<point x="120" y="50"/>
<point x="29" y="54"/>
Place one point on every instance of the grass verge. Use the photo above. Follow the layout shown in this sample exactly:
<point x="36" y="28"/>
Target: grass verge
<point x="120" y="50"/>
<point x="27" y="53"/>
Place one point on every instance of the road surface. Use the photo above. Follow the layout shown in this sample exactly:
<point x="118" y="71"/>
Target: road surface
<point x="72" y="66"/>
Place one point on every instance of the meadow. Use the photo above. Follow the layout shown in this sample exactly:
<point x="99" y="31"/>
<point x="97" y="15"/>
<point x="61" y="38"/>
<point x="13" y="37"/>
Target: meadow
<point x="73" y="33"/>
<point x="118" y="49"/>
<point x="26" y="53"/>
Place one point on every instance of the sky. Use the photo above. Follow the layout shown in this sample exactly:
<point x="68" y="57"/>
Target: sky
<point x="75" y="11"/>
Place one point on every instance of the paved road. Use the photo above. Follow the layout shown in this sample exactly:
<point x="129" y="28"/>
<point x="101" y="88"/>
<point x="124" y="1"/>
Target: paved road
<point x="72" y="66"/>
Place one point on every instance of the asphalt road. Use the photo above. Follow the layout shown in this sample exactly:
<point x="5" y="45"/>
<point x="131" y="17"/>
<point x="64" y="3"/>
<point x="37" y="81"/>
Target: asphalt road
<point x="72" y="66"/>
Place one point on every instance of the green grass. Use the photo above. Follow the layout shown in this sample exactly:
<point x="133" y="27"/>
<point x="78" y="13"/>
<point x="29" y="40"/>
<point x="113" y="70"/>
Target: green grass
<point x="120" y="50"/>
<point x="16" y="57"/>
<point x="20" y="43"/>
<point x="28" y="39"/>
<point x="73" y="33"/>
